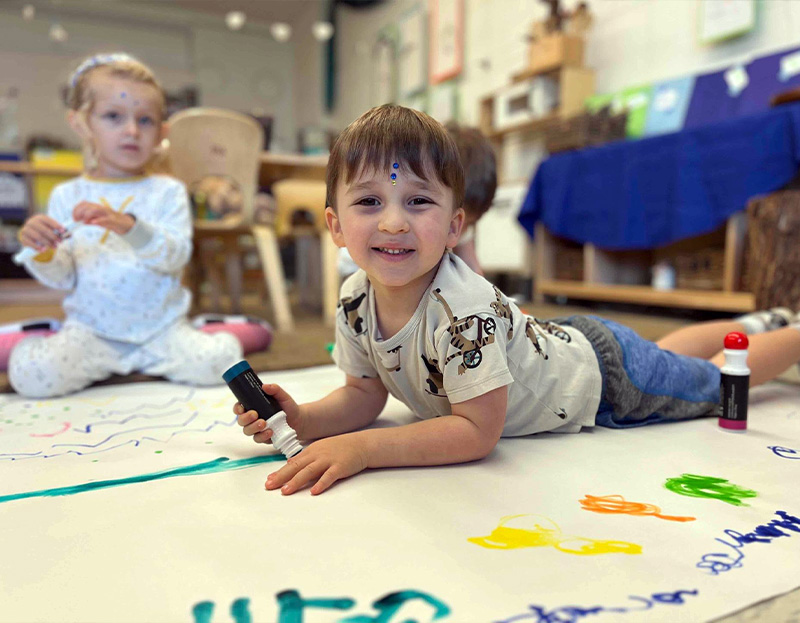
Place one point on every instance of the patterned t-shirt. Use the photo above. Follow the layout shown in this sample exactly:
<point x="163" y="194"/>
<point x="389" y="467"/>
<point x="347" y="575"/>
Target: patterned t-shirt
<point x="464" y="340"/>
<point x="125" y="288"/>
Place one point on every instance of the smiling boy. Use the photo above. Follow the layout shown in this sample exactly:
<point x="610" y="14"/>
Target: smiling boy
<point x="415" y="321"/>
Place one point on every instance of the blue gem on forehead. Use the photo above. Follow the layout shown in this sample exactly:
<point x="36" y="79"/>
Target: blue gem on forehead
<point x="394" y="176"/>
<point x="395" y="166"/>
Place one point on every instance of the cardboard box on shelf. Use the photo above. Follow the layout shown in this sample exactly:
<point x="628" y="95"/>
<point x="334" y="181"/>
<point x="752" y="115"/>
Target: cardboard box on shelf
<point x="555" y="50"/>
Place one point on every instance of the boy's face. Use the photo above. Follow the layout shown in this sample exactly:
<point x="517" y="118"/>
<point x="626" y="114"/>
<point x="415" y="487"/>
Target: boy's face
<point x="124" y="123"/>
<point x="396" y="233"/>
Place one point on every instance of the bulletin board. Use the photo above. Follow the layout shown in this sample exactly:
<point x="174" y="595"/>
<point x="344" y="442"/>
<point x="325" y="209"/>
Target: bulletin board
<point x="144" y="502"/>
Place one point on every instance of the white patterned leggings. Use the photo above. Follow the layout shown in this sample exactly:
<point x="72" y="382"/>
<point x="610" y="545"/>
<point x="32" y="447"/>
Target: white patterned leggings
<point x="74" y="358"/>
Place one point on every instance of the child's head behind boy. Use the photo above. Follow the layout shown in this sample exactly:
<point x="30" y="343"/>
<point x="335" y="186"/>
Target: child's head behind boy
<point x="117" y="107"/>
<point x="395" y="191"/>
<point x="480" y="170"/>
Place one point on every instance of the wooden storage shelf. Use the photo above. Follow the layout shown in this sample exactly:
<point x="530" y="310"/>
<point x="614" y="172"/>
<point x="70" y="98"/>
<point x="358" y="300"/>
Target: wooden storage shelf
<point x="624" y="276"/>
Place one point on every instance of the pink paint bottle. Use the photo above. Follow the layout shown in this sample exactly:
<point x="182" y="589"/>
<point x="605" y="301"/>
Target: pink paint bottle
<point x="734" y="384"/>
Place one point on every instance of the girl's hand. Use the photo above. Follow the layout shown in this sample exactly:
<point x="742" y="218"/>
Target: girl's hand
<point x="325" y="461"/>
<point x="257" y="428"/>
<point x="102" y="216"/>
<point x="41" y="232"/>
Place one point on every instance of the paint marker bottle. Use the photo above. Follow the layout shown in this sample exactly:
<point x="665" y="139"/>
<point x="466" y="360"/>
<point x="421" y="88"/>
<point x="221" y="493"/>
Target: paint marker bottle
<point x="246" y="386"/>
<point x="734" y="384"/>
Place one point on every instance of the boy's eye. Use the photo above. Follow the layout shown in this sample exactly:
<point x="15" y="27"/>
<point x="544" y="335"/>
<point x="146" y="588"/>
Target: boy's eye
<point x="111" y="116"/>
<point x="420" y="201"/>
<point x="367" y="201"/>
<point x="146" y="121"/>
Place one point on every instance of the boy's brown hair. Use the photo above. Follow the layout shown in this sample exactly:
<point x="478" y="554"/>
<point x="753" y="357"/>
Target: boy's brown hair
<point x="480" y="169"/>
<point x="388" y="134"/>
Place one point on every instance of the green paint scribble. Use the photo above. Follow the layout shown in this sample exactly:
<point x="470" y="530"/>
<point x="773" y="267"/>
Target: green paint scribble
<point x="711" y="487"/>
<point x="202" y="611"/>
<point x="240" y="610"/>
<point x="222" y="464"/>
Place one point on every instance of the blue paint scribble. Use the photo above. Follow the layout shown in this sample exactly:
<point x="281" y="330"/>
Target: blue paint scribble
<point x="719" y="562"/>
<point x="783" y="452"/>
<point x="572" y="614"/>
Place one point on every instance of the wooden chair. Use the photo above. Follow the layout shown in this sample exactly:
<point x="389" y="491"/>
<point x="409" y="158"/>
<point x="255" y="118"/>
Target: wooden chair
<point x="214" y="142"/>
<point x="294" y="196"/>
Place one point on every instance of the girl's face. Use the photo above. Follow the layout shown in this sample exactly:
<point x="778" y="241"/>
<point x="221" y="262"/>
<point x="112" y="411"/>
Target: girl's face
<point x="124" y="124"/>
<point x="396" y="232"/>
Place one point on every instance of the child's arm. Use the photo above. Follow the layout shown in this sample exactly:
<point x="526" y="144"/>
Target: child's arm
<point x="355" y="405"/>
<point x="55" y="268"/>
<point x="470" y="433"/>
<point x="165" y="245"/>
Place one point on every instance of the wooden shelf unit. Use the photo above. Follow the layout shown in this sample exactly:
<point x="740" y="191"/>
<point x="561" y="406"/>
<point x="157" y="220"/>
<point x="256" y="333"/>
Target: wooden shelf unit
<point x="624" y="276"/>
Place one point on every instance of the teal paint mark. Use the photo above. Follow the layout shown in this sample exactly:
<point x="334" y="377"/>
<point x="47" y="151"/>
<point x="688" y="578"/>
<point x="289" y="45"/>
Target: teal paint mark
<point x="388" y="605"/>
<point x="222" y="464"/>
<point x="712" y="487"/>
<point x="291" y="605"/>
<point x="202" y="611"/>
<point x="240" y="610"/>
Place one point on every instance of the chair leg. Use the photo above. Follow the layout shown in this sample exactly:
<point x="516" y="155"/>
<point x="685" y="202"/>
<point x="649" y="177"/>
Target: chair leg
<point x="233" y="272"/>
<point x="330" y="278"/>
<point x="267" y="244"/>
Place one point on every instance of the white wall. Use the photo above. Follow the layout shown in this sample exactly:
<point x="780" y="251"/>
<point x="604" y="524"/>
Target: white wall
<point x="242" y="71"/>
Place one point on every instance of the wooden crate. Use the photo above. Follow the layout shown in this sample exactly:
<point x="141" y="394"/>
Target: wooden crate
<point x="699" y="270"/>
<point x="585" y="130"/>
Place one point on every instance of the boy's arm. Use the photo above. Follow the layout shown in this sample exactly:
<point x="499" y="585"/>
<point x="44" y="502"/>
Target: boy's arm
<point x="470" y="433"/>
<point x="351" y="407"/>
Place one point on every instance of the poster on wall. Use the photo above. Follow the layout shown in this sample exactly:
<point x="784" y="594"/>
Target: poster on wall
<point x="411" y="53"/>
<point x="721" y="20"/>
<point x="384" y="68"/>
<point x="446" y="40"/>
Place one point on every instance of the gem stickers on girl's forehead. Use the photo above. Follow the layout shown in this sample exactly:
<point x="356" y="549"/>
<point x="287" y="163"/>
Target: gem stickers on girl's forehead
<point x="394" y="174"/>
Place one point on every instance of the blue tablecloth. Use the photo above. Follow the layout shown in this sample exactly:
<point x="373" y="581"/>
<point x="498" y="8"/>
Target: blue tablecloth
<point x="647" y="193"/>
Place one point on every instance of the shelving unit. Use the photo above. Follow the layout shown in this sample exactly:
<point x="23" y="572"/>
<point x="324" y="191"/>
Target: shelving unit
<point x="624" y="276"/>
<point x="596" y="274"/>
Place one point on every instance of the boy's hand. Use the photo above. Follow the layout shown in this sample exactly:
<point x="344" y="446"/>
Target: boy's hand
<point x="41" y="232"/>
<point x="257" y="428"/>
<point x="102" y="216"/>
<point x="325" y="461"/>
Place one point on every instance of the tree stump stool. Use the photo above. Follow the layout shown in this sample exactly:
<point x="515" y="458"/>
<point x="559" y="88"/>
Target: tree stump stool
<point x="773" y="225"/>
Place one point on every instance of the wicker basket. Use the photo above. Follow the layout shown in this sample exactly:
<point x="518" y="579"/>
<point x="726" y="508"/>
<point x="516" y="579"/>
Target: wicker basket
<point x="699" y="270"/>
<point x="568" y="263"/>
<point x="585" y="130"/>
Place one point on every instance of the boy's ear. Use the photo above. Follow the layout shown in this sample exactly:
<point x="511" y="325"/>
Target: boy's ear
<point x="335" y="227"/>
<point x="456" y="225"/>
<point x="164" y="130"/>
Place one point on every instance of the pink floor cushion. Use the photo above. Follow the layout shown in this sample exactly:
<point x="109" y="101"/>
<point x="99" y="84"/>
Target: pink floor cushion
<point x="13" y="333"/>
<point x="254" y="334"/>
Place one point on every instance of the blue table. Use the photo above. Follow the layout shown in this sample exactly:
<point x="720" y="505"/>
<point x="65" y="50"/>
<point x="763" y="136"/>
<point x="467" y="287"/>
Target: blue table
<point x="652" y="192"/>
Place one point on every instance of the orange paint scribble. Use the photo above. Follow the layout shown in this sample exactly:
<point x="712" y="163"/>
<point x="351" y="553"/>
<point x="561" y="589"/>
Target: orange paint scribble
<point x="517" y="531"/>
<point x="616" y="504"/>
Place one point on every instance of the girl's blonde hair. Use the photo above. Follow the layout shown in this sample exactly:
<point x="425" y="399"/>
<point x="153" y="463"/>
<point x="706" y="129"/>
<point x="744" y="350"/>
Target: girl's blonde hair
<point x="80" y="96"/>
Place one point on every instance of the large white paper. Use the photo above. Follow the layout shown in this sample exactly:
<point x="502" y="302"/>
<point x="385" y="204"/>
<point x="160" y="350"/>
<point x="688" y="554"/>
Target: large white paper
<point x="148" y="544"/>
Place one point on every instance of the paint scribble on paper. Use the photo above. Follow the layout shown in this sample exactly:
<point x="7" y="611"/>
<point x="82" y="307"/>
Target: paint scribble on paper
<point x="517" y="531"/>
<point x="616" y="504"/>
<point x="785" y="453"/>
<point x="709" y="487"/>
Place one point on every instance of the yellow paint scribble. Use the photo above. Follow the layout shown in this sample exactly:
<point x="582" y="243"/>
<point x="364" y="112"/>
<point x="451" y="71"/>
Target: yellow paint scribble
<point x="515" y="531"/>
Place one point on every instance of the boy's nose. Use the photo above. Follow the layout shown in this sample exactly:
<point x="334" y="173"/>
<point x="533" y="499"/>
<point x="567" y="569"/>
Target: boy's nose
<point x="131" y="127"/>
<point x="393" y="220"/>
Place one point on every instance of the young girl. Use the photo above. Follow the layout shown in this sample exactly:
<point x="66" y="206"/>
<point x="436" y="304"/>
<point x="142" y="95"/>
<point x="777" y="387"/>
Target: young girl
<point x="118" y="240"/>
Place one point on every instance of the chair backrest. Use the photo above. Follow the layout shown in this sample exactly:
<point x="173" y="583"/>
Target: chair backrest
<point x="214" y="142"/>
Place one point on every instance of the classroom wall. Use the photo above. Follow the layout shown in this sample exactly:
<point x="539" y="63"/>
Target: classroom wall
<point x="239" y="70"/>
<point x="632" y="42"/>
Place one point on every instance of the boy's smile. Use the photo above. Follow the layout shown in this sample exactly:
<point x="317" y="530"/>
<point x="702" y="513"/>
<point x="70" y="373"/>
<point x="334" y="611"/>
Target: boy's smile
<point x="397" y="232"/>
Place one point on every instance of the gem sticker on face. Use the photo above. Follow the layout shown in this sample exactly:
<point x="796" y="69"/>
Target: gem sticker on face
<point x="394" y="174"/>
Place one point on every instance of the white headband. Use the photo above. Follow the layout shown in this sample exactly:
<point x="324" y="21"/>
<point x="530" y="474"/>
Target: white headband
<point x="96" y="61"/>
